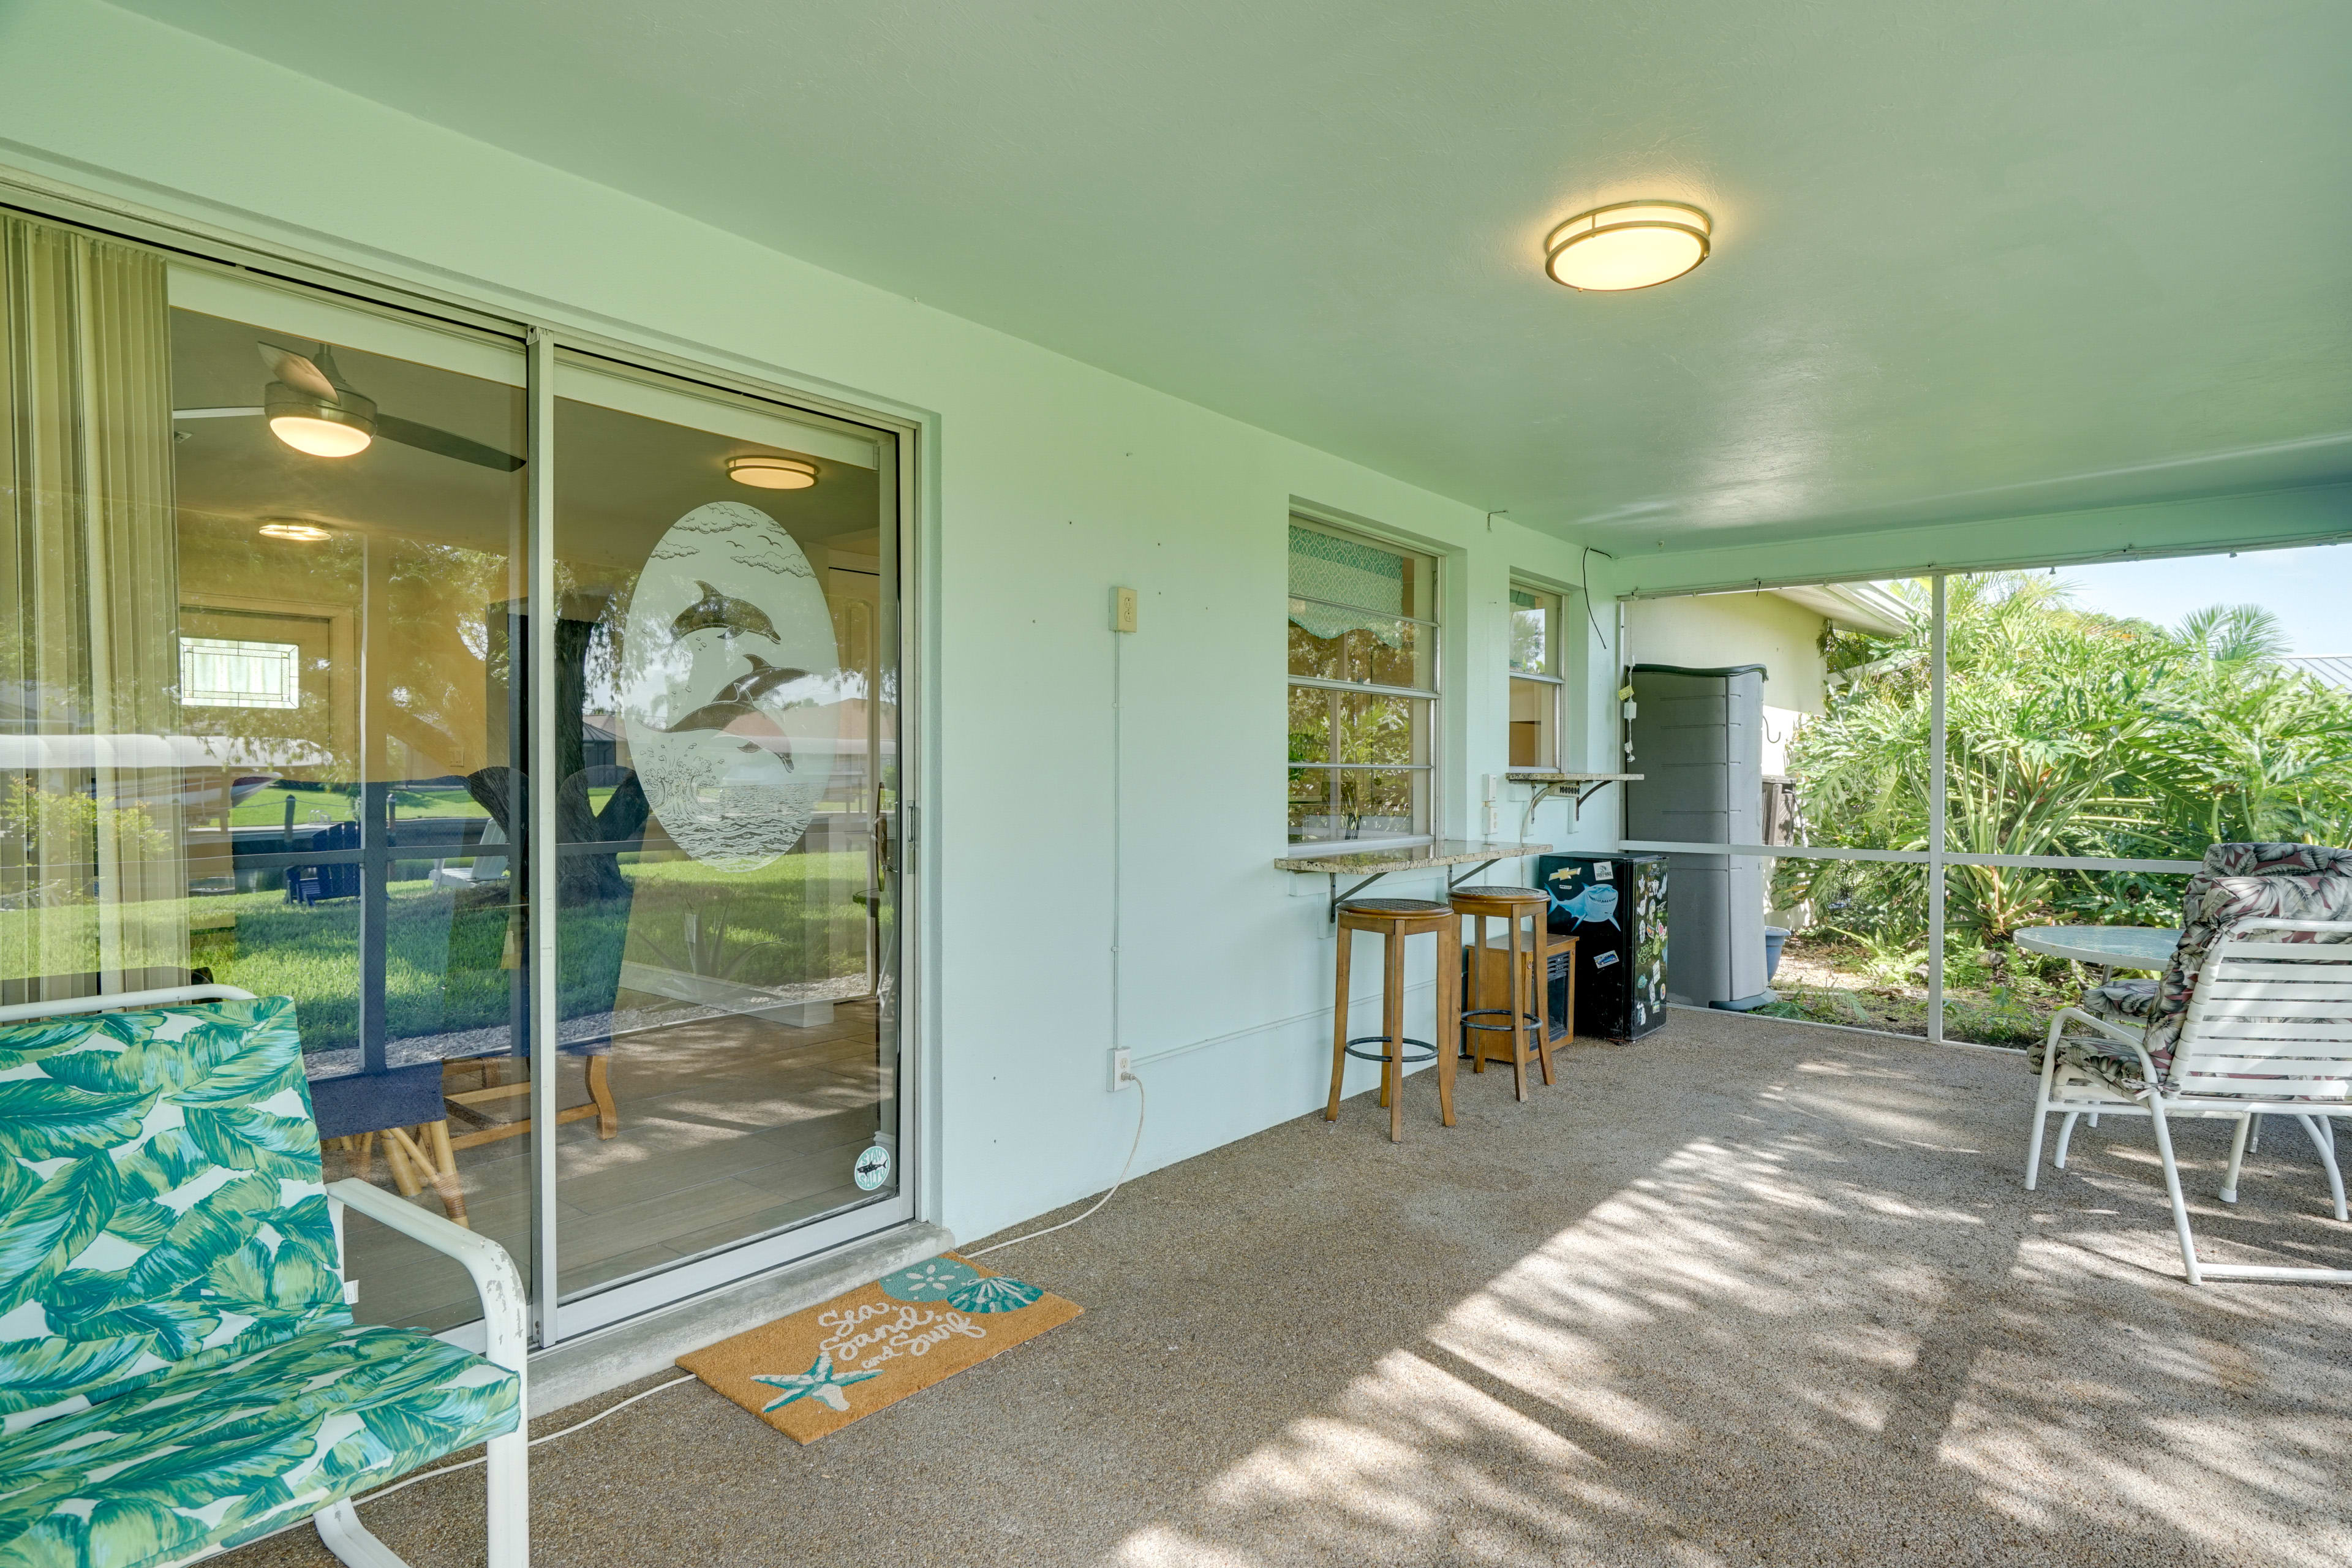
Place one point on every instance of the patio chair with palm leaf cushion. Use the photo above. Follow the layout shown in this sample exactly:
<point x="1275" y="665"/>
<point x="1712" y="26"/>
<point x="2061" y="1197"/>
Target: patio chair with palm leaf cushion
<point x="2237" y="881"/>
<point x="2131" y="1000"/>
<point x="2253" y="1017"/>
<point x="180" y="1372"/>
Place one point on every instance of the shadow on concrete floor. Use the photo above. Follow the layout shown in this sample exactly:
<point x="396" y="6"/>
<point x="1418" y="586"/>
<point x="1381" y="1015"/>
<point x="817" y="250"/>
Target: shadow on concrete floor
<point x="1747" y="1292"/>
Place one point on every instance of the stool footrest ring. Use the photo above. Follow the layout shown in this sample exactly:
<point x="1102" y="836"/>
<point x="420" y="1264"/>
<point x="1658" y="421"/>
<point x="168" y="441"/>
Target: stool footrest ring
<point x="1526" y="1020"/>
<point x="1428" y="1051"/>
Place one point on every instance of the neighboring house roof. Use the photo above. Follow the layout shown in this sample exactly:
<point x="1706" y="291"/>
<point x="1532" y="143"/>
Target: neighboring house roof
<point x="2327" y="669"/>
<point x="1857" y="607"/>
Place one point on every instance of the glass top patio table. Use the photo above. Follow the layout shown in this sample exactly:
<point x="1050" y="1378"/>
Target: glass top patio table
<point x="2105" y="947"/>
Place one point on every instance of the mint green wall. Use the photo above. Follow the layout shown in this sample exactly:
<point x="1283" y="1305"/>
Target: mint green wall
<point x="1048" y="483"/>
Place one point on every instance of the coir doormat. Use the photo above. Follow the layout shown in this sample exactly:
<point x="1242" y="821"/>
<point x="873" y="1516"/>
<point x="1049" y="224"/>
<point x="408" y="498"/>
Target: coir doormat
<point x="824" y="1367"/>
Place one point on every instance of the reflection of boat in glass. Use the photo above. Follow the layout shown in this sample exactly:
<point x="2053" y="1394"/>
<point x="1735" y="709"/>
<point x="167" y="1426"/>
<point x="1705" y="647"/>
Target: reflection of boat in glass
<point x="196" y="772"/>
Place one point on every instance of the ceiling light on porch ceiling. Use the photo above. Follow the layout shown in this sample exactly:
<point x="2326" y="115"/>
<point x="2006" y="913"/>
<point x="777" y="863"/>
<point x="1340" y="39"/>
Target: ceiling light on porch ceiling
<point x="296" y="529"/>
<point x="771" y="473"/>
<point x="1627" y="245"/>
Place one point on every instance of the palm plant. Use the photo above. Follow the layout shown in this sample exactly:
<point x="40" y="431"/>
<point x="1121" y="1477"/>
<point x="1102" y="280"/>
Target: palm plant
<point x="2247" y="748"/>
<point x="2068" y="733"/>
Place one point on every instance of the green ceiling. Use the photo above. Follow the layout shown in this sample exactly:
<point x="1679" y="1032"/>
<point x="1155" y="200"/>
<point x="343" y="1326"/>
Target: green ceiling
<point x="1972" y="258"/>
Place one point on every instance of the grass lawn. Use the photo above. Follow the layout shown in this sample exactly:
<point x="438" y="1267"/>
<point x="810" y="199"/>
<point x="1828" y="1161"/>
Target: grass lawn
<point x="2002" y="1001"/>
<point x="788" y="923"/>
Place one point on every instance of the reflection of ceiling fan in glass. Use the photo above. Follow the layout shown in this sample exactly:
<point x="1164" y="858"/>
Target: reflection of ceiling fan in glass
<point x="313" y="409"/>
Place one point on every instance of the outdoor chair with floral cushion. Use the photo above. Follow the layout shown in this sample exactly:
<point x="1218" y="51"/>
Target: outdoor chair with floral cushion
<point x="2251" y="1016"/>
<point x="182" y="1371"/>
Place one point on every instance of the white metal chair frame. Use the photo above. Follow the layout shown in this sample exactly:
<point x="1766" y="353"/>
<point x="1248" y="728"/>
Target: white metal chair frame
<point x="504" y="1315"/>
<point x="2275" y="1016"/>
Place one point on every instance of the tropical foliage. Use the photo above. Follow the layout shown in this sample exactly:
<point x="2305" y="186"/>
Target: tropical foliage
<point x="159" y="1475"/>
<point x="2070" y="733"/>
<point x="207" y="1236"/>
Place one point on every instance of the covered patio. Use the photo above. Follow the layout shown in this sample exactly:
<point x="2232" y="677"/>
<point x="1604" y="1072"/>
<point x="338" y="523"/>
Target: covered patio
<point x="661" y="663"/>
<point x="1749" y="1291"/>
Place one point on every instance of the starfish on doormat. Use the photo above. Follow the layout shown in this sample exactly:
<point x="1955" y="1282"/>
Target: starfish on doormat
<point x="820" y="1381"/>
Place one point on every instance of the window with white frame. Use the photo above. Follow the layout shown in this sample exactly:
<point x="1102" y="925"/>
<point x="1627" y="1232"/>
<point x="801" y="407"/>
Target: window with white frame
<point x="1363" y="690"/>
<point x="1537" y="682"/>
<point x="219" y="672"/>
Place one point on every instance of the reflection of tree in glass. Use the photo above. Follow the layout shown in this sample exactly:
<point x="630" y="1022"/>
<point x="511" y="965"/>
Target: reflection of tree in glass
<point x="1376" y="730"/>
<point x="1527" y="639"/>
<point x="1313" y="656"/>
<point x="1310" y="724"/>
<point x="1379" y="801"/>
<point x="439" y="598"/>
<point x="55" y="829"/>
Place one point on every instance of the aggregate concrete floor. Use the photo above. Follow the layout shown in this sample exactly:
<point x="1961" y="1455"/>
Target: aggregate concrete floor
<point x="1745" y="1292"/>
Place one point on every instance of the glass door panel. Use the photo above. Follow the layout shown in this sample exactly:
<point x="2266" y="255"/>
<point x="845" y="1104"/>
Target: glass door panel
<point x="251" y="732"/>
<point x="724" y="735"/>
<point x="343" y="549"/>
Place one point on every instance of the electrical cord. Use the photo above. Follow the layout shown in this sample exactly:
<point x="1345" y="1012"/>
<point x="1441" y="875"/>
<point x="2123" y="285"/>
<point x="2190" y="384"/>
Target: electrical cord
<point x="1118" y="839"/>
<point x="1134" y="1146"/>
<point x="1141" y="1106"/>
<point x="1584" y="575"/>
<point x="535" y="1442"/>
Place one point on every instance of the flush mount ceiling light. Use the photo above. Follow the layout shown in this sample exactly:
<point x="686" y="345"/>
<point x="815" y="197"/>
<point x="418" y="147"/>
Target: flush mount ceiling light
<point x="296" y="529"/>
<point x="771" y="473"/>
<point x="1627" y="245"/>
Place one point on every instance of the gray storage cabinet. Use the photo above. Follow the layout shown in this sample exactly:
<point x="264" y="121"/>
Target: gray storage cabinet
<point x="1697" y="737"/>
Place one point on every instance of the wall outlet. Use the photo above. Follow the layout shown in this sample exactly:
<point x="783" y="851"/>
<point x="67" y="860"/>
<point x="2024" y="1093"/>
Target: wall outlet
<point x="1122" y="609"/>
<point x="1122" y="1067"/>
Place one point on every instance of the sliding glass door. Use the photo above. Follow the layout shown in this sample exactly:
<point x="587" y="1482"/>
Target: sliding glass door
<point x="288" y="706"/>
<point x="724" y="698"/>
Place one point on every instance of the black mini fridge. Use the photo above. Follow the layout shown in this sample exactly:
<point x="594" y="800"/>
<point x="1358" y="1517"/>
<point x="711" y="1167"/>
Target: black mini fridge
<point x="1615" y="906"/>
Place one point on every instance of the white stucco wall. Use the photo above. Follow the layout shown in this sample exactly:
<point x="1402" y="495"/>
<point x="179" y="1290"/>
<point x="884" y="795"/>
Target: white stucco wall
<point x="1713" y="631"/>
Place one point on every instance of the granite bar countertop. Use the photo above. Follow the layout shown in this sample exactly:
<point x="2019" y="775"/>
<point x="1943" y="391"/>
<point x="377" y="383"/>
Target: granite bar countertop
<point x="1410" y="857"/>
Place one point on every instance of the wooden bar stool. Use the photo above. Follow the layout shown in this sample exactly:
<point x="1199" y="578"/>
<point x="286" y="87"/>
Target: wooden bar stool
<point x="1520" y="1012"/>
<point x="1393" y="920"/>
